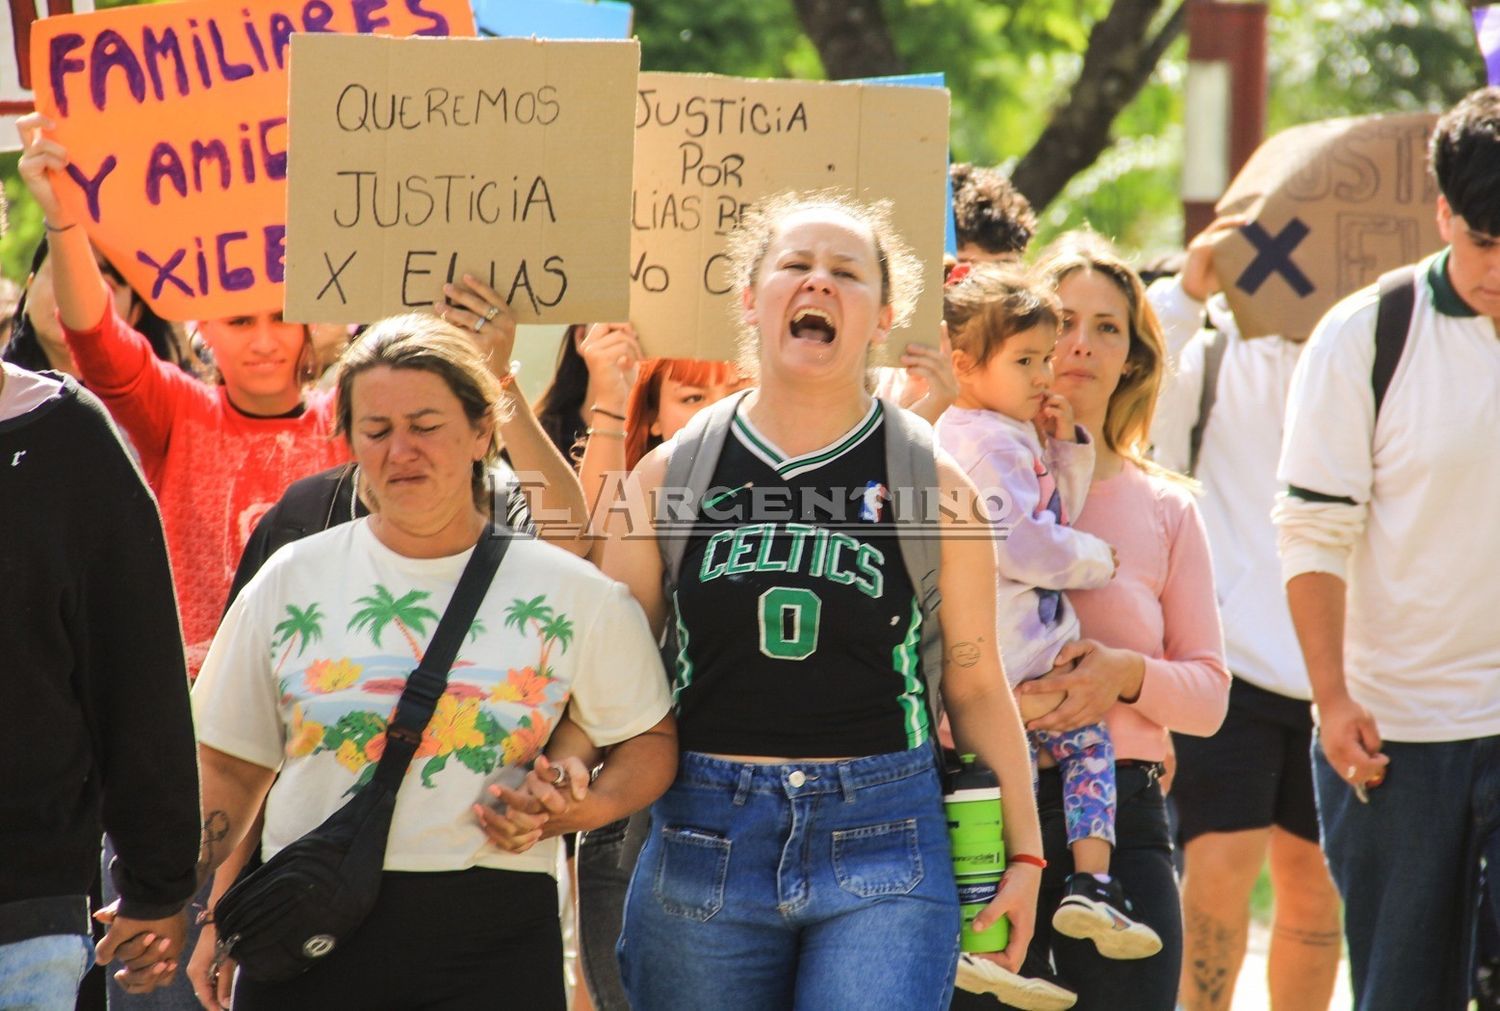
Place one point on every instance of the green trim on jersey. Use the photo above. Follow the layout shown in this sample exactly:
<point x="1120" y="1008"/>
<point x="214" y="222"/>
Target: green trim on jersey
<point x="908" y="664"/>
<point x="788" y="468"/>
<point x="684" y="662"/>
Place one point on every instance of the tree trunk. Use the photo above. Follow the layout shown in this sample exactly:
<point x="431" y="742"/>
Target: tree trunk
<point x="851" y="37"/>
<point x="1120" y="58"/>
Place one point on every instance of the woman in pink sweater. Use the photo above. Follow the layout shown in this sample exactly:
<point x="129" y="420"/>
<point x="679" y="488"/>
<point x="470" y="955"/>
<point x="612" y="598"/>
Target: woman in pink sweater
<point x="1151" y="656"/>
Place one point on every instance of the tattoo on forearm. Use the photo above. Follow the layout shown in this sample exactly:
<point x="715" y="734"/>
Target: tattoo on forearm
<point x="965" y="654"/>
<point x="215" y="831"/>
<point x="1213" y="956"/>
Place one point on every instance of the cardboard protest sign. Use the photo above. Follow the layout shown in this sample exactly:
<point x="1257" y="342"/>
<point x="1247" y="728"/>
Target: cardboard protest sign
<point x="419" y="160"/>
<point x="15" y="59"/>
<point x="950" y="226"/>
<point x="1331" y="207"/>
<point x="708" y="147"/>
<point x="554" y="19"/>
<point x="174" y="117"/>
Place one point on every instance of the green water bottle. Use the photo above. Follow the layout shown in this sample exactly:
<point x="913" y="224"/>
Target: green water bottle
<point x="974" y="830"/>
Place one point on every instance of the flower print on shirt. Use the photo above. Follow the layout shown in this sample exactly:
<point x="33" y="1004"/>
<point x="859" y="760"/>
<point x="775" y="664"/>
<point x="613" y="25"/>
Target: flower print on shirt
<point x="469" y="728"/>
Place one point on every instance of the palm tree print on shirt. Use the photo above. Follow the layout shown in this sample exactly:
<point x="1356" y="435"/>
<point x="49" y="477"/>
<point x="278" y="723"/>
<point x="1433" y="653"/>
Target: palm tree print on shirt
<point x="382" y="609"/>
<point x="301" y="626"/>
<point x="549" y="626"/>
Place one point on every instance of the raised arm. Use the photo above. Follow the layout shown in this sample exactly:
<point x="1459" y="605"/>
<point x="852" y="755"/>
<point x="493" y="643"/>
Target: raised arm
<point x="551" y="488"/>
<point x="113" y="359"/>
<point x="612" y="353"/>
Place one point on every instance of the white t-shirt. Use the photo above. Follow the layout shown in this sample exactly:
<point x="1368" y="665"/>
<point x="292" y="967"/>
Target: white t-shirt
<point x="1407" y="510"/>
<point x="309" y="662"/>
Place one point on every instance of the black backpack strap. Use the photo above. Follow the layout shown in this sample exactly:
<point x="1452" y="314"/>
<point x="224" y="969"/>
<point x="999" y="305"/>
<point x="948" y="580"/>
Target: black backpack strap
<point x="1214" y="341"/>
<point x="428" y="682"/>
<point x="1398" y="299"/>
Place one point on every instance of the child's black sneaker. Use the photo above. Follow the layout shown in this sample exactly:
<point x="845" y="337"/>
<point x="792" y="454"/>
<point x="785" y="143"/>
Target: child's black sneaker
<point x="1098" y="911"/>
<point x="1030" y="993"/>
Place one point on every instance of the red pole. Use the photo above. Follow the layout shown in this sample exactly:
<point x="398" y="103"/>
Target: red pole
<point x="1226" y="119"/>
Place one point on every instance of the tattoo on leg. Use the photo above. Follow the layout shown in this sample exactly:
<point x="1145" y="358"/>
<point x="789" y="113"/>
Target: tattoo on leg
<point x="215" y="831"/>
<point x="1211" y="950"/>
<point x="1311" y="938"/>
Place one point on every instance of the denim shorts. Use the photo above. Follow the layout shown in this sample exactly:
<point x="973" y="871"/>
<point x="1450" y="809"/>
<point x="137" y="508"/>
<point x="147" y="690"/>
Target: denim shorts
<point x="809" y="885"/>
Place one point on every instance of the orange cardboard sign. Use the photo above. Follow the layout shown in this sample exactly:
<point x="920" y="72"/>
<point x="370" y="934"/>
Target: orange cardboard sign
<point x="174" y="117"/>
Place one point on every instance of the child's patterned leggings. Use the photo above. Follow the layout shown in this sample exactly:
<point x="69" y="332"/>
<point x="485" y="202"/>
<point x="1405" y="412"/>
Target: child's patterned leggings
<point x="1086" y="757"/>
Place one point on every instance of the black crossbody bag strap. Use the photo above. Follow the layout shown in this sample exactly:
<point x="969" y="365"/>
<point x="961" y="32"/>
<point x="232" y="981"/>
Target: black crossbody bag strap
<point x="428" y="682"/>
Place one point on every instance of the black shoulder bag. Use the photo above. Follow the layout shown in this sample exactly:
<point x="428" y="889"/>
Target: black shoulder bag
<point x="279" y="920"/>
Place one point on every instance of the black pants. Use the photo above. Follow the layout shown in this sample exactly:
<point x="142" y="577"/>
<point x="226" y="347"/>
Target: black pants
<point x="1143" y="862"/>
<point x="450" y="941"/>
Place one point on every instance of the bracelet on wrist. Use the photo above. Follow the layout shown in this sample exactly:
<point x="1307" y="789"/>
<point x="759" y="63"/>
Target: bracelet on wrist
<point x="607" y="433"/>
<point x="49" y="226"/>
<point x="596" y="409"/>
<point x="1028" y="859"/>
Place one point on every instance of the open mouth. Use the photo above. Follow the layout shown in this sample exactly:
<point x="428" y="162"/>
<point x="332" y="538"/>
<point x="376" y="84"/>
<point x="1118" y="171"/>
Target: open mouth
<point x="814" y="325"/>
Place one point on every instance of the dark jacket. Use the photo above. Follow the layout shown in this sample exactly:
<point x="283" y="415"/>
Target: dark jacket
<point x="99" y="736"/>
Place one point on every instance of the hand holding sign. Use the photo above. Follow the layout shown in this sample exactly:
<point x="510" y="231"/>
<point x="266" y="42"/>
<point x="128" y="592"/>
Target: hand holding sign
<point x="478" y="308"/>
<point x="42" y="160"/>
<point x="174" y="117"/>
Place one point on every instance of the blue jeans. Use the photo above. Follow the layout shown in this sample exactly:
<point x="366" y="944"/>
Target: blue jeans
<point x="606" y="860"/>
<point x="1407" y="865"/>
<point x="42" y="973"/>
<point x="818" y="885"/>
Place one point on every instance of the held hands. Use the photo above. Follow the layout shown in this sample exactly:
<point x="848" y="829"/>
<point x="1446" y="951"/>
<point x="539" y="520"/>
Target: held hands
<point x="545" y="806"/>
<point x="1055" y="419"/>
<point x="1016" y="899"/>
<point x="474" y="306"/>
<point x="1351" y="742"/>
<point x="150" y="950"/>
<point x="1093" y="678"/>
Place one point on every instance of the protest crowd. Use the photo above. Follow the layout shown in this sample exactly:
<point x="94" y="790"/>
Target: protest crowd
<point x="345" y="675"/>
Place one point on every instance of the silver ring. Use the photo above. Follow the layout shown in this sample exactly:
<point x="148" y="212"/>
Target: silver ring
<point x="491" y="313"/>
<point x="560" y="777"/>
<point x="479" y="323"/>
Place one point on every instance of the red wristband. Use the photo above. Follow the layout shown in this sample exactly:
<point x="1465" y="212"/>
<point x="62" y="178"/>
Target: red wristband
<point x="1027" y="858"/>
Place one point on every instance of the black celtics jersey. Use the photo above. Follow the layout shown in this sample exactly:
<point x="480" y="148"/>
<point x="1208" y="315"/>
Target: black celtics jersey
<point x="797" y="624"/>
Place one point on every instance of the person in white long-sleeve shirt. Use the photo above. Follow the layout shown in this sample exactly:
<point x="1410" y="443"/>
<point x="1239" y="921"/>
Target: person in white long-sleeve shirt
<point x="1263" y="746"/>
<point x="1389" y="546"/>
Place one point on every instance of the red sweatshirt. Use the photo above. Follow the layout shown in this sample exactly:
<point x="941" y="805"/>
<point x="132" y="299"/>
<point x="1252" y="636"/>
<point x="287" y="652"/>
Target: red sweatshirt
<point x="214" y="470"/>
